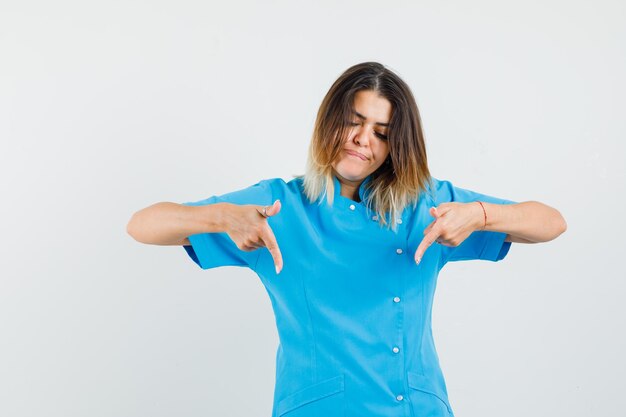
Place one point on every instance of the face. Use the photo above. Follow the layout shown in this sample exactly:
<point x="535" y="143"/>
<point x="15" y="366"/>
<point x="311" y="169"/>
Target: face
<point x="367" y="138"/>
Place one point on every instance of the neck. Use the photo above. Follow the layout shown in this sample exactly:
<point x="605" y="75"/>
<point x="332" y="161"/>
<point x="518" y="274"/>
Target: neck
<point x="349" y="189"/>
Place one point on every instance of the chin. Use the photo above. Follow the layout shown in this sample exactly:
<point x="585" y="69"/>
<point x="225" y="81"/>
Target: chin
<point x="350" y="172"/>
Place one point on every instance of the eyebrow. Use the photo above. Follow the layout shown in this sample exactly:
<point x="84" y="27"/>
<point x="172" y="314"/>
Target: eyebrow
<point x="364" y="118"/>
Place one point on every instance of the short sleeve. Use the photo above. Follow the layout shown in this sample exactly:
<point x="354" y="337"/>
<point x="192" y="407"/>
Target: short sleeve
<point x="486" y="245"/>
<point x="211" y="250"/>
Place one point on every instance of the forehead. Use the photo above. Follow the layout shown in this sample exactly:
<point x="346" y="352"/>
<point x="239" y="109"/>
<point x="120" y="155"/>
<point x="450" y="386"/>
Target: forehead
<point x="372" y="106"/>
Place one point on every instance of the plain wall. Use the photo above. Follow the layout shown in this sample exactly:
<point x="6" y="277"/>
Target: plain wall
<point x="108" y="107"/>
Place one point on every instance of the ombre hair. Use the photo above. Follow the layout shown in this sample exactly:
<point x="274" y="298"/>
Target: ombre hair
<point x="399" y="181"/>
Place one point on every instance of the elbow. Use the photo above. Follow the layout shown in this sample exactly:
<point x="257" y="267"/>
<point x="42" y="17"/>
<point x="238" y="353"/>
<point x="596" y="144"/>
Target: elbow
<point x="553" y="225"/>
<point x="561" y="225"/>
<point x="131" y="228"/>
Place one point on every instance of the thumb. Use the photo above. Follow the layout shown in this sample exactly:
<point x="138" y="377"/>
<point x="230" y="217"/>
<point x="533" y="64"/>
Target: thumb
<point x="433" y="212"/>
<point x="274" y="208"/>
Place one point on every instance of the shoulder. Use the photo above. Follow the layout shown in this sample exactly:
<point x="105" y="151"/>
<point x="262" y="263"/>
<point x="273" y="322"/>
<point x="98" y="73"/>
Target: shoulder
<point x="278" y="185"/>
<point x="262" y="192"/>
<point x="440" y="191"/>
<point x="444" y="191"/>
<point x="279" y="188"/>
<point x="437" y="190"/>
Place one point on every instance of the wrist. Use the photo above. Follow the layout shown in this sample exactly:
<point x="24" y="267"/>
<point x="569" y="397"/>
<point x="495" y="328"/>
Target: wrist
<point x="481" y="217"/>
<point x="217" y="217"/>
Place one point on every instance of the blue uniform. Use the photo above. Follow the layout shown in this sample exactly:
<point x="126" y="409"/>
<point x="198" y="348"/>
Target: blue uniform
<point x="352" y="308"/>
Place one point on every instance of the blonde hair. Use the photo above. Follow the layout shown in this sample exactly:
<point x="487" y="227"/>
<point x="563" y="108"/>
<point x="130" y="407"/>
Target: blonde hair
<point x="399" y="181"/>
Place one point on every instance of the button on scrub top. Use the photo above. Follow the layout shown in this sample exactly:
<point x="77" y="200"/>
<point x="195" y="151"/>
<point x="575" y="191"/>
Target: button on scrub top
<point x="353" y="310"/>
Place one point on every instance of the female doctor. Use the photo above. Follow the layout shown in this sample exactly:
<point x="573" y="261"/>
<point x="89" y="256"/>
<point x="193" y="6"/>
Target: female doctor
<point x="349" y="252"/>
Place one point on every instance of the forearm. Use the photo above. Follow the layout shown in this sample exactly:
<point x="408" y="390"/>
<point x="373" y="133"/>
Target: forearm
<point x="169" y="223"/>
<point x="530" y="220"/>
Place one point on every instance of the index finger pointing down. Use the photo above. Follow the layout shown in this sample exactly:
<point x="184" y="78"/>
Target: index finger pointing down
<point x="270" y="242"/>
<point x="425" y="244"/>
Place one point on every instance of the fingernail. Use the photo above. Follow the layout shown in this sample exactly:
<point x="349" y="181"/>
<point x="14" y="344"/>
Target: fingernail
<point x="417" y="261"/>
<point x="277" y="270"/>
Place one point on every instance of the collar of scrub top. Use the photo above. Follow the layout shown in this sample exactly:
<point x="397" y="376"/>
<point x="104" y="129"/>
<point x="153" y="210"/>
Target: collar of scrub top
<point x="346" y="202"/>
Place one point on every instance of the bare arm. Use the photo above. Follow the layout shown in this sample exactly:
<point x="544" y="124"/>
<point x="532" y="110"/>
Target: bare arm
<point x="169" y="223"/>
<point x="526" y="222"/>
<point x="516" y="239"/>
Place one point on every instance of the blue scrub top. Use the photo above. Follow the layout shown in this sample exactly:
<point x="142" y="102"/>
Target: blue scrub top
<point x="353" y="310"/>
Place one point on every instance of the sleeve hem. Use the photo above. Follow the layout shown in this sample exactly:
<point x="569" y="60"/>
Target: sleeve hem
<point x="496" y="248"/>
<point x="204" y="259"/>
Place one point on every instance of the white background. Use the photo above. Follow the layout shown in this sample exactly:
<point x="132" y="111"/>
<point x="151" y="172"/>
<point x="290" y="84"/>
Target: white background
<point x="108" y="107"/>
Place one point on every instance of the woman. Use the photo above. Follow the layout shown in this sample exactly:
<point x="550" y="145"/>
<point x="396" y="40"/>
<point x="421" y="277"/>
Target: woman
<point x="346" y="252"/>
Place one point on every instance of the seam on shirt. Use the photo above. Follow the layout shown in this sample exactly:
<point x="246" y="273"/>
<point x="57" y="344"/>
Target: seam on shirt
<point x="257" y="260"/>
<point x="314" y="344"/>
<point x="403" y="314"/>
<point x="441" y="261"/>
<point x="422" y="323"/>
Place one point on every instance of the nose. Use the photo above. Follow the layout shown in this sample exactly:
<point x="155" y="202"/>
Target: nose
<point x="362" y="135"/>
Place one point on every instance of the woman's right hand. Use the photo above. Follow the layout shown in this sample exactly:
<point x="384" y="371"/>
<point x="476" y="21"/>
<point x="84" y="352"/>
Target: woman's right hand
<point x="250" y="230"/>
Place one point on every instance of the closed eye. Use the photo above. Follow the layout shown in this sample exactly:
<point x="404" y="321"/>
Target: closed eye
<point x="378" y="134"/>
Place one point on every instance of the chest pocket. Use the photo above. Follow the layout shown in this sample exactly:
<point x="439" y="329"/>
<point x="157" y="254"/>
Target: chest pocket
<point x="426" y="399"/>
<point x="325" y="398"/>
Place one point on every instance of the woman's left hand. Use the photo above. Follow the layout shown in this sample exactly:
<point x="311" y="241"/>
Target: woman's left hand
<point x="453" y="223"/>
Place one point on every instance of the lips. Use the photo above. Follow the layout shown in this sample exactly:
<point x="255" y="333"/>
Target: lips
<point x="355" y="153"/>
